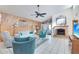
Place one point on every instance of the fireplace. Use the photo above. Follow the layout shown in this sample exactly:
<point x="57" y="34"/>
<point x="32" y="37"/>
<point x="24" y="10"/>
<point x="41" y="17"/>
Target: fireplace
<point x="60" y="31"/>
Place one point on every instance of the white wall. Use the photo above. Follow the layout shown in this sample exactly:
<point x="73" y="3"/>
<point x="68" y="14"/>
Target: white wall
<point x="69" y="13"/>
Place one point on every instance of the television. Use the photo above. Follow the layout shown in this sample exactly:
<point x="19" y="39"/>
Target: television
<point x="60" y="21"/>
<point x="76" y="29"/>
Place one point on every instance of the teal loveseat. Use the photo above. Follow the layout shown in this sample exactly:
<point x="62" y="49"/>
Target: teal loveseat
<point x="24" y="45"/>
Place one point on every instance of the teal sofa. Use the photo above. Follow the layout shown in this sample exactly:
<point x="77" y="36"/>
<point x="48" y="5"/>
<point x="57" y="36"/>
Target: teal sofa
<point x="24" y="45"/>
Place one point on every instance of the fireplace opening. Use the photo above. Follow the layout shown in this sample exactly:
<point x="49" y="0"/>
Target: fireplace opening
<point x="60" y="31"/>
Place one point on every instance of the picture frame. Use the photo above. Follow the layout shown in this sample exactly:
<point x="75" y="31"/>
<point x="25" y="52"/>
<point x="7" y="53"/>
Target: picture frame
<point x="61" y="20"/>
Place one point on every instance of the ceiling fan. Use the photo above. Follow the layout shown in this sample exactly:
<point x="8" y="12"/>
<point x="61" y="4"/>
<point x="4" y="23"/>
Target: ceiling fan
<point x="37" y="13"/>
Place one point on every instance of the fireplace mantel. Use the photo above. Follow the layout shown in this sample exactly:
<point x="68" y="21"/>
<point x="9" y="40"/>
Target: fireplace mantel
<point x="58" y="26"/>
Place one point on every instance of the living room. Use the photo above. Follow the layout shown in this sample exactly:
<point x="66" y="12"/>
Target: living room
<point x="49" y="27"/>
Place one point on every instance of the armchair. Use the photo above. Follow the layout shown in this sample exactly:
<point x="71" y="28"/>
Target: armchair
<point x="42" y="33"/>
<point x="24" y="45"/>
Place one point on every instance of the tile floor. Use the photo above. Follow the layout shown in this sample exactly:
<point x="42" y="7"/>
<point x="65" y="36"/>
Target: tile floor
<point x="55" y="45"/>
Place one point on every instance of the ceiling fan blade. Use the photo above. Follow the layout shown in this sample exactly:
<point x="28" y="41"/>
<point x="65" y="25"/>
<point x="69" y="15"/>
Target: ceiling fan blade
<point x="43" y="13"/>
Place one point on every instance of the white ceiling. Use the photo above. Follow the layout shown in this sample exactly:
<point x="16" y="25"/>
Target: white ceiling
<point x="27" y="11"/>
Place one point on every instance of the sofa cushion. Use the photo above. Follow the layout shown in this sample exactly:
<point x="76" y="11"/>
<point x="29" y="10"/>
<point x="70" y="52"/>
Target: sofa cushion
<point x="24" y="39"/>
<point x="20" y="39"/>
